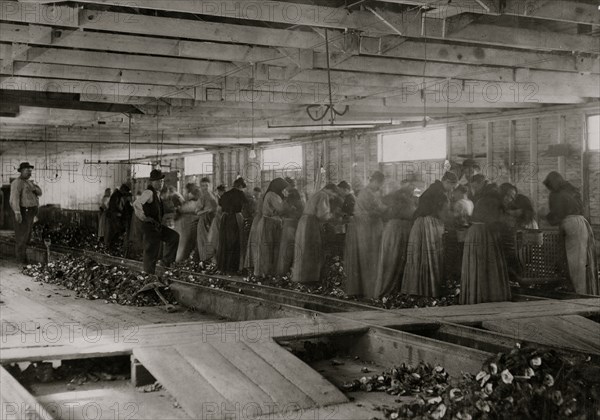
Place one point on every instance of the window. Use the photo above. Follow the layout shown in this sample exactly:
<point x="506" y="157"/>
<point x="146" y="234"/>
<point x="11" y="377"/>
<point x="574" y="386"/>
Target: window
<point x="593" y="132"/>
<point x="199" y="164"/>
<point x="141" y="171"/>
<point x="418" y="145"/>
<point x="288" y="157"/>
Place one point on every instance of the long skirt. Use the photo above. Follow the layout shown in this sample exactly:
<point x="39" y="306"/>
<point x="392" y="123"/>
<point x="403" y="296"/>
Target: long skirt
<point x="205" y="248"/>
<point x="186" y="225"/>
<point x="252" y="247"/>
<point x="102" y="224"/>
<point x="286" y="247"/>
<point x="361" y="255"/>
<point x="135" y="248"/>
<point x="113" y="228"/>
<point x="392" y="258"/>
<point x="213" y="233"/>
<point x="268" y="238"/>
<point x="308" y="258"/>
<point x="424" y="269"/>
<point x="581" y="254"/>
<point x="484" y="276"/>
<point x="230" y="242"/>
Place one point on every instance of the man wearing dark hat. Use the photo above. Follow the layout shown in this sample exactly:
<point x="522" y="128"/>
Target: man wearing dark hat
<point x="149" y="209"/>
<point x="24" y="200"/>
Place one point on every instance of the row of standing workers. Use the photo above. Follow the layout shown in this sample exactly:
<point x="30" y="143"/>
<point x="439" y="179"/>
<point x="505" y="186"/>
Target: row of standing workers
<point x="393" y="243"/>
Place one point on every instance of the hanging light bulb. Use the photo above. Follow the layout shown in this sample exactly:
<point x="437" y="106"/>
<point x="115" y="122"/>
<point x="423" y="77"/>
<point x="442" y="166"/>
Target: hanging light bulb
<point x="252" y="154"/>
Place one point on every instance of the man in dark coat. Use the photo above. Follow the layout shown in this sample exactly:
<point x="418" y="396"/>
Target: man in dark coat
<point x="117" y="213"/>
<point x="24" y="201"/>
<point x="231" y="229"/>
<point x="150" y="210"/>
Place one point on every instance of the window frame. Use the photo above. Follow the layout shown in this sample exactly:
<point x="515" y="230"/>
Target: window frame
<point x="204" y="172"/>
<point x="587" y="132"/>
<point x="282" y="167"/>
<point x="380" y="141"/>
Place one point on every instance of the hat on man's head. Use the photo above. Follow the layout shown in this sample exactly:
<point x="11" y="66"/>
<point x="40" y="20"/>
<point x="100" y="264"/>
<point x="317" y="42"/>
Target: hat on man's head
<point x="24" y="165"/>
<point x="156" y="175"/>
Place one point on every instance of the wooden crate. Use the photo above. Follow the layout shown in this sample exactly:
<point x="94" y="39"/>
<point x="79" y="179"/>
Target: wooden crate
<point x="543" y="259"/>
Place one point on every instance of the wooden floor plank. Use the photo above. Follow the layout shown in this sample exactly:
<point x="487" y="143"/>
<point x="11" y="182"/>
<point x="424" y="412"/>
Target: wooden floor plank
<point x="16" y="402"/>
<point x="191" y="390"/>
<point x="310" y="382"/>
<point x="283" y="392"/>
<point x="226" y="378"/>
<point x="571" y="331"/>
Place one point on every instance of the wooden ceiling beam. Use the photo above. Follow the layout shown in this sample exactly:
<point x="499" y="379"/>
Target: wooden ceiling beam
<point x="102" y="41"/>
<point x="504" y="36"/>
<point x="94" y="91"/>
<point x="573" y="11"/>
<point x="289" y="13"/>
<point x="409" y="24"/>
<point x="62" y="101"/>
<point x="354" y="80"/>
<point x="389" y="46"/>
<point x="556" y="10"/>
<point x="8" y="110"/>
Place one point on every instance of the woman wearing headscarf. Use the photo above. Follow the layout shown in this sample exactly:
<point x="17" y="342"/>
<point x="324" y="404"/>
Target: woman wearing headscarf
<point x="206" y="205"/>
<point x="484" y="275"/>
<point x="394" y="242"/>
<point x="566" y="211"/>
<point x="229" y="254"/>
<point x="363" y="240"/>
<point x="268" y="230"/>
<point x="425" y="254"/>
<point x="308" y="251"/>
<point x="291" y="215"/>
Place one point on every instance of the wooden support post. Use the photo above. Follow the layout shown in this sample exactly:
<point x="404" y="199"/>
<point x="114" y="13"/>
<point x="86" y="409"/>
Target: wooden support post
<point x="562" y="160"/>
<point x="470" y="139"/>
<point x="325" y="146"/>
<point x="317" y="169"/>
<point x="304" y="165"/>
<point x="511" y="149"/>
<point x="340" y="174"/>
<point x="533" y="158"/>
<point x="489" y="140"/>
<point x="585" y="171"/>
<point x="366" y="162"/>
<point x="139" y="374"/>
<point x="449" y="143"/>
<point x="352" y="158"/>
<point x="229" y="154"/>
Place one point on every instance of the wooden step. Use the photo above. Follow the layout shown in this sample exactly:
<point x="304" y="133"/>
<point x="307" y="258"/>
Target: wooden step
<point x="240" y="379"/>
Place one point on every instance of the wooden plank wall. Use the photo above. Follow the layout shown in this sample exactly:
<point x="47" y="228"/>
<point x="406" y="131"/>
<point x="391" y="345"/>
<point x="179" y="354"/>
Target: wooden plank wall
<point x="508" y="150"/>
<point x="68" y="181"/>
